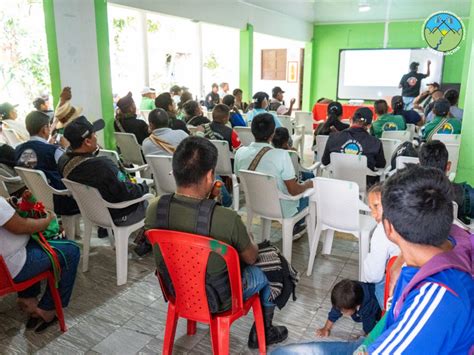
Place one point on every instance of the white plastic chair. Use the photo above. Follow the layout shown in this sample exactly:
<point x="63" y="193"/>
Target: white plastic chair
<point x="296" y="131"/>
<point x="3" y="187"/>
<point x="402" y="136"/>
<point x="412" y="129"/>
<point x="296" y="161"/>
<point x="305" y="119"/>
<point x="245" y="135"/>
<point x="262" y="198"/>
<point x="209" y="115"/>
<point x="162" y="170"/>
<point x="224" y="168"/>
<point x="37" y="183"/>
<point x="351" y="167"/>
<point x="453" y="157"/>
<point x="192" y="130"/>
<point x="11" y="137"/>
<point x="389" y="147"/>
<point x="131" y="151"/>
<point x="95" y="212"/>
<point x="338" y="208"/>
<point x="401" y="161"/>
<point x="447" y="138"/>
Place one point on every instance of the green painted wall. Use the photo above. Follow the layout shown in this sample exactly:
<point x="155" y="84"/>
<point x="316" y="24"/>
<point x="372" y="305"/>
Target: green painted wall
<point x="246" y="62"/>
<point x="465" y="170"/>
<point x="51" y="41"/>
<point x="105" y="76"/>
<point x="329" y="39"/>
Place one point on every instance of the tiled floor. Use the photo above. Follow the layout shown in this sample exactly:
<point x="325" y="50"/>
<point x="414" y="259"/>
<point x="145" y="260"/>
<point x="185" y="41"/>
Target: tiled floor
<point x="108" y="319"/>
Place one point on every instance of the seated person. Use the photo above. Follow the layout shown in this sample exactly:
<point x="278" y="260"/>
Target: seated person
<point x="7" y="169"/>
<point x="410" y="116"/>
<point x="25" y="259"/>
<point x="405" y="149"/>
<point x="429" y="114"/>
<point x="433" y="300"/>
<point x="333" y="120"/>
<point x="148" y="99"/>
<point x="453" y="97"/>
<point x="194" y="163"/>
<point x="260" y="104"/>
<point x="163" y="140"/>
<point x="65" y="112"/>
<point x="42" y="104"/>
<point x="219" y="130"/>
<point x="424" y="99"/>
<point x="185" y="97"/>
<point x="40" y="152"/>
<point x="165" y="102"/>
<point x="278" y="105"/>
<point x="434" y="154"/>
<point x="9" y="119"/>
<point x="239" y="104"/>
<point x="353" y="299"/>
<point x="275" y="162"/>
<point x="385" y="122"/>
<point x="381" y="248"/>
<point x="193" y="114"/>
<point x="127" y="121"/>
<point x="176" y="91"/>
<point x="81" y="164"/>
<point x="236" y="118"/>
<point x="357" y="140"/>
<point x="441" y="123"/>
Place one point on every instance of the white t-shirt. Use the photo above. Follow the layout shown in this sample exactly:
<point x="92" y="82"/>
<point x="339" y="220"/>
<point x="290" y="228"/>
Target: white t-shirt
<point x="12" y="246"/>
<point x="381" y="250"/>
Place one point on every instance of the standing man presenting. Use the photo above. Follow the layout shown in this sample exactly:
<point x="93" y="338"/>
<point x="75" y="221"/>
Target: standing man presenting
<point x="410" y="84"/>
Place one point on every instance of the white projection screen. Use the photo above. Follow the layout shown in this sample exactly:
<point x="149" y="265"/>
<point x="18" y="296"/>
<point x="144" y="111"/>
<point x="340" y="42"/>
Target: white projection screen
<point x="371" y="74"/>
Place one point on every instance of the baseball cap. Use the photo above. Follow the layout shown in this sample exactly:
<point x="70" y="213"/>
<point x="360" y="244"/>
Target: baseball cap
<point x="36" y="120"/>
<point x="276" y="90"/>
<point x="441" y="107"/>
<point x="5" y="109"/>
<point x="363" y="114"/>
<point x="147" y="90"/>
<point x="80" y="128"/>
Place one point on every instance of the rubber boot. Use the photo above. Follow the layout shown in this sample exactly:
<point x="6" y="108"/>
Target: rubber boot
<point x="273" y="334"/>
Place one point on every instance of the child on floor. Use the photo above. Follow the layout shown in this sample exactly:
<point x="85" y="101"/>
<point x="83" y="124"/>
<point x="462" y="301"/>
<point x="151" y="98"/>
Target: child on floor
<point x="381" y="248"/>
<point x="353" y="299"/>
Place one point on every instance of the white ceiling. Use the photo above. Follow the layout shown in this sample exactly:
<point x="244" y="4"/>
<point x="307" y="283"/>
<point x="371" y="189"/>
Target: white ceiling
<point x="335" y="11"/>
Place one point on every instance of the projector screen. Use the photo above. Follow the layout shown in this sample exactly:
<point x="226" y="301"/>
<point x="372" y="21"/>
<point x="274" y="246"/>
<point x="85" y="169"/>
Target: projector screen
<point x="373" y="74"/>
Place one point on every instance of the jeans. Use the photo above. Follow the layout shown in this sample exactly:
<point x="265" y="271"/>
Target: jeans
<point x="226" y="197"/>
<point x="380" y="292"/>
<point x="37" y="261"/>
<point x="253" y="281"/>
<point x="408" y="102"/>
<point x="304" y="202"/>
<point x="306" y="175"/>
<point x="320" y="348"/>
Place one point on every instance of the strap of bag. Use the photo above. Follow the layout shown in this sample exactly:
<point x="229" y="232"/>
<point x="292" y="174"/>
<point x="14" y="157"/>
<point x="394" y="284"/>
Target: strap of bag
<point x="74" y="163"/>
<point x="162" y="144"/>
<point x="163" y="211"/>
<point x="437" y="128"/>
<point x="253" y="165"/>
<point x="119" y="125"/>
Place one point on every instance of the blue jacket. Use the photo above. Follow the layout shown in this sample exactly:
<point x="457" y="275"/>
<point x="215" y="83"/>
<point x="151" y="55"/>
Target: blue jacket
<point x="236" y="119"/>
<point x="369" y="311"/>
<point x="433" y="306"/>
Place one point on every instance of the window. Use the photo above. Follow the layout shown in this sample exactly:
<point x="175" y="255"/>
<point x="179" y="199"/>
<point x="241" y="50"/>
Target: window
<point x="273" y="64"/>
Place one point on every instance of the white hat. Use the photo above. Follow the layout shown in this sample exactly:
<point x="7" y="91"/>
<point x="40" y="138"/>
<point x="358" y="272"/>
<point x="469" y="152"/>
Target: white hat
<point x="147" y="90"/>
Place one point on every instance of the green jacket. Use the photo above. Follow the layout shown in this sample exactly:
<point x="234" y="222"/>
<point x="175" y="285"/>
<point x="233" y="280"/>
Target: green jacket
<point x="441" y="125"/>
<point x="387" y="122"/>
<point x="147" y="104"/>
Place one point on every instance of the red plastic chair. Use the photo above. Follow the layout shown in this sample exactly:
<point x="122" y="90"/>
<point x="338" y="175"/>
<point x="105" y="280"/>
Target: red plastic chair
<point x="7" y="285"/>
<point x="387" y="281"/>
<point x="185" y="256"/>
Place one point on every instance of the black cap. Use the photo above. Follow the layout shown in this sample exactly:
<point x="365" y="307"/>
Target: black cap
<point x="36" y="120"/>
<point x="276" y="90"/>
<point x="363" y="114"/>
<point x="78" y="130"/>
<point x="5" y="109"/>
<point x="441" y="107"/>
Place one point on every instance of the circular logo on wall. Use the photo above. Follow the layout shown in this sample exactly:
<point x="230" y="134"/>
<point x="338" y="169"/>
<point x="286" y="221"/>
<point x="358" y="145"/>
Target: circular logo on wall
<point x="443" y="31"/>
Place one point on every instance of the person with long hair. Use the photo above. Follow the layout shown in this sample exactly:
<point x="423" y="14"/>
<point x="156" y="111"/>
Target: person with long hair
<point x="333" y="121"/>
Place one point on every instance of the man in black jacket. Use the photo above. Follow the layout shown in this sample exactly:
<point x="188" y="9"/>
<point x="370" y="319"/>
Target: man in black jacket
<point x="357" y="140"/>
<point x="81" y="164"/>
